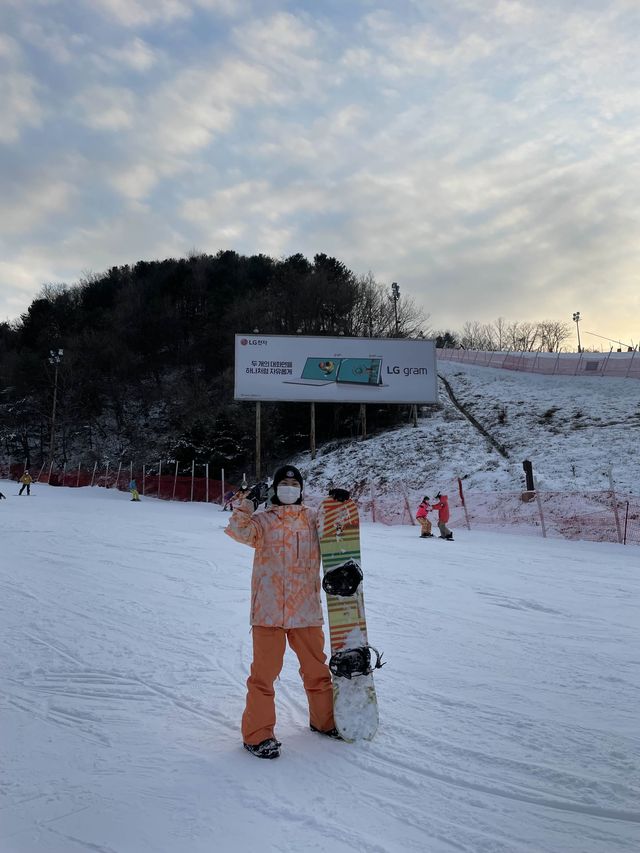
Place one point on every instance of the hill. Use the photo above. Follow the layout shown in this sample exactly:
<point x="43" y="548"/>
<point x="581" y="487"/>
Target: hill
<point x="571" y="428"/>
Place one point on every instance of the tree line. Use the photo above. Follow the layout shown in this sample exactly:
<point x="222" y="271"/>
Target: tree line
<point x="147" y="364"/>
<point x="500" y="335"/>
<point x="148" y="349"/>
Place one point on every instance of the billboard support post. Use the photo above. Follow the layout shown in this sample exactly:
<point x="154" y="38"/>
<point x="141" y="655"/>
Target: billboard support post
<point x="363" y="419"/>
<point x="312" y="435"/>
<point x="258" y="441"/>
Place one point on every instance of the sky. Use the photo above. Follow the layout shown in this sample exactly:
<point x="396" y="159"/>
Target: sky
<point x="484" y="154"/>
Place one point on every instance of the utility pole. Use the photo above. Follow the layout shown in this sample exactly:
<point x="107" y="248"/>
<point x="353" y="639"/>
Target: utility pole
<point x="55" y="357"/>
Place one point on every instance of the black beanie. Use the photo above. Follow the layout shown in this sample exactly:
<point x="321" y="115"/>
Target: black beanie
<point x="282" y="474"/>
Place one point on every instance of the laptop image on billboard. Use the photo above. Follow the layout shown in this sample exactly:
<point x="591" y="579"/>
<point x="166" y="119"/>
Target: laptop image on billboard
<point x="349" y="371"/>
<point x="360" y="371"/>
<point x="318" y="371"/>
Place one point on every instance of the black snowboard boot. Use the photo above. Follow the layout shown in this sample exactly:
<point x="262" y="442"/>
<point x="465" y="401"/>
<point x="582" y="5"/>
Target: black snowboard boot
<point x="332" y="733"/>
<point x="449" y="538"/>
<point x="269" y="748"/>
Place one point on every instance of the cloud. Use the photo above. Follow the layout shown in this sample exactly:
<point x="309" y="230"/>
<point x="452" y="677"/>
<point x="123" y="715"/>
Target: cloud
<point x="142" y="13"/>
<point x="136" y="54"/>
<point x="108" y="108"/>
<point x="482" y="154"/>
<point x="19" y="105"/>
<point x="26" y="207"/>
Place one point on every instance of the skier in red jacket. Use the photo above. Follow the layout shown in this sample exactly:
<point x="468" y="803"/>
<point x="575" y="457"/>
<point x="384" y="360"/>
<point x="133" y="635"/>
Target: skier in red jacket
<point x="442" y="506"/>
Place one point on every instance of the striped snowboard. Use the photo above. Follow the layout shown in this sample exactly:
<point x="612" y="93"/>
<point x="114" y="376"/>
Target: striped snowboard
<point x="355" y="706"/>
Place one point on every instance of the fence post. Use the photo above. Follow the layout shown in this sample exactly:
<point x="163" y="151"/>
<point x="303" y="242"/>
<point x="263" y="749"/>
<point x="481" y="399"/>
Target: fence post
<point x="159" y="477"/>
<point x="78" y="477"/>
<point x="406" y="503"/>
<point x="175" y="482"/>
<point x="373" y="505"/>
<point x="630" y="363"/>
<point x="64" y="473"/>
<point x="193" y="471"/>
<point x="603" y="369"/>
<point x="539" y="502"/>
<point x="615" y="505"/>
<point x="106" y="475"/>
<point x="118" y="476"/>
<point x="626" y="519"/>
<point x="39" y="475"/>
<point x="93" y="475"/>
<point x="464" y="503"/>
<point x="222" y="492"/>
<point x="144" y="476"/>
<point x="206" y="484"/>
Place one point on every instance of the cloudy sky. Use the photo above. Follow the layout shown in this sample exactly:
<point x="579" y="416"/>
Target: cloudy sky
<point x="484" y="154"/>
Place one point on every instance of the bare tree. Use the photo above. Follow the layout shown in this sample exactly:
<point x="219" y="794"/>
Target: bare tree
<point x="552" y="334"/>
<point x="476" y="335"/>
<point x="373" y="313"/>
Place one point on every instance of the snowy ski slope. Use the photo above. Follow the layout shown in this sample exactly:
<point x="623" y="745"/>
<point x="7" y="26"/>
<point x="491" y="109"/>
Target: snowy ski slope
<point x="509" y="705"/>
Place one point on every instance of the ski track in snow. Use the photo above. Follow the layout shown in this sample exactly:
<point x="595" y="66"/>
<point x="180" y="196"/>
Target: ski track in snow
<point x="508" y="707"/>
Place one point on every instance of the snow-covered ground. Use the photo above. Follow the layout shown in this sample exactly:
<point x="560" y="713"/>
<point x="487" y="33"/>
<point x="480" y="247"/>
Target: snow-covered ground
<point x="509" y="705"/>
<point x="571" y="428"/>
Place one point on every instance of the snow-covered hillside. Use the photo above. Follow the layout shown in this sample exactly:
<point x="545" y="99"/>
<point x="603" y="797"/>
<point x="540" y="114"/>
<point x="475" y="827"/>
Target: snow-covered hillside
<point x="509" y="705"/>
<point x="571" y="428"/>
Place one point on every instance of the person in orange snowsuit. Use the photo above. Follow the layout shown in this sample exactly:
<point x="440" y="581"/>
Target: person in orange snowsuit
<point x="285" y="607"/>
<point x="442" y="506"/>
<point x="423" y="518"/>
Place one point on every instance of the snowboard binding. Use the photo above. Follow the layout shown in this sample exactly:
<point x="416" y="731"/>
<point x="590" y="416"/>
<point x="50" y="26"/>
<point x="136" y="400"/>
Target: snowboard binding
<point x="349" y="662"/>
<point x="344" y="580"/>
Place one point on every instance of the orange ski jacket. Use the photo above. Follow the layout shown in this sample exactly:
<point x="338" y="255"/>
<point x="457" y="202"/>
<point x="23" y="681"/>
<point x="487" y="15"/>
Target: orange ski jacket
<point x="285" y="583"/>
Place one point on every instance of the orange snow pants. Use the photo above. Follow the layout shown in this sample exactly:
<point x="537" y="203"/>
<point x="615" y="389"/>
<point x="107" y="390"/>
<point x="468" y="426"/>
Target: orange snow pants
<point x="269" y="645"/>
<point x="425" y="524"/>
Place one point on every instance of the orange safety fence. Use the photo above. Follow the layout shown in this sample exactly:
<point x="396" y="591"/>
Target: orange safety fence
<point x="625" y="365"/>
<point x="603" y="516"/>
<point x="180" y="487"/>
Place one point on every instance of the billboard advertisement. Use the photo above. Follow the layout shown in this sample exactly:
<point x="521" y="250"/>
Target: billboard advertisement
<point x="296" y="368"/>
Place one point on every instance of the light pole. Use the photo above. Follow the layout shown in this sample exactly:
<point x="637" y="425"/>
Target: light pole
<point x="55" y="357"/>
<point x="576" y="320"/>
<point x="395" y="295"/>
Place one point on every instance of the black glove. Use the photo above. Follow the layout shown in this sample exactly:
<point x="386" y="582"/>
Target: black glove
<point x="339" y="494"/>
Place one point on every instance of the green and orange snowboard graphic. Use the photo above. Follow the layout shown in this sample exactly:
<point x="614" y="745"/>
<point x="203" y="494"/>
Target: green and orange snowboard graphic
<point x="355" y="705"/>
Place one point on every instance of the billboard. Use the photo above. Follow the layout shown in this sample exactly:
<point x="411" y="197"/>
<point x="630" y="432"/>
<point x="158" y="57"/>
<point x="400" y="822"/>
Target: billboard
<point x="335" y="370"/>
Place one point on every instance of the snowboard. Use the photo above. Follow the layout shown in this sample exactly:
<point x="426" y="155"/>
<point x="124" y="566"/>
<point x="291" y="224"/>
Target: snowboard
<point x="355" y="706"/>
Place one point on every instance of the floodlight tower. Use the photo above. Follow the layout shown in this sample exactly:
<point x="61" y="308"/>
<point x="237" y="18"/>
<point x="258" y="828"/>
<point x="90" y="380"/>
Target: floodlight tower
<point x="576" y="320"/>
<point x="395" y="295"/>
<point x="55" y="358"/>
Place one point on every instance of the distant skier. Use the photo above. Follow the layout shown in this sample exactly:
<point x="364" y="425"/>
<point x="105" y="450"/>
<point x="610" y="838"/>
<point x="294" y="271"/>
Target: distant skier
<point x="285" y="607"/>
<point x="26" y="481"/>
<point x="133" y="489"/>
<point x="443" y="516"/>
<point x="423" y="518"/>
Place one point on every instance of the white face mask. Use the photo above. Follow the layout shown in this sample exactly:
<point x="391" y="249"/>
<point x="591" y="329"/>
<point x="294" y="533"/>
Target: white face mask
<point x="288" y="494"/>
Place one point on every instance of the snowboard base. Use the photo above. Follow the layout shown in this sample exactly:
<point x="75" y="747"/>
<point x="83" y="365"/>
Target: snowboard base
<point x="355" y="708"/>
